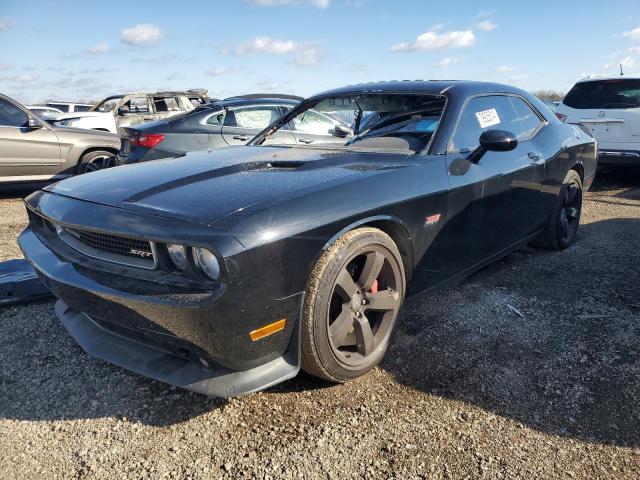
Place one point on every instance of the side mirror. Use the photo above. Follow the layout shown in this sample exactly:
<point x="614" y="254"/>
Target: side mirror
<point x="123" y="110"/>
<point x="342" y="132"/>
<point x="494" y="141"/>
<point x="34" y="123"/>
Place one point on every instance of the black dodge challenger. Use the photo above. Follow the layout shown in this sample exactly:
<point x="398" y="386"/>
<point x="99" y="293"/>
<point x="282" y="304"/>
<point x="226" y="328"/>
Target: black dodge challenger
<point x="226" y="272"/>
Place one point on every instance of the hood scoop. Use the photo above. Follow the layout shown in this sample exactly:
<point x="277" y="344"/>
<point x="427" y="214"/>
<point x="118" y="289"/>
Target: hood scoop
<point x="285" y="164"/>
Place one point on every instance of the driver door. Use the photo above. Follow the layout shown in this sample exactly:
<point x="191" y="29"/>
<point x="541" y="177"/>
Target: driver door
<point x="498" y="200"/>
<point x="24" y="151"/>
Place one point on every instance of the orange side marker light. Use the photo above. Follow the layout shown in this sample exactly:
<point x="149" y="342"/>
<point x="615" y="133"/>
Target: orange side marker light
<point x="267" y="330"/>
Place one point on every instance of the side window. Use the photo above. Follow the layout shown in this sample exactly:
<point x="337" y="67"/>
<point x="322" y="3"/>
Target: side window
<point x="11" y="116"/>
<point x="256" y="118"/>
<point x="529" y="120"/>
<point x="59" y="106"/>
<point x="138" y="105"/>
<point x="482" y="114"/>
<point x="313" y="123"/>
<point x="166" y="104"/>
<point x="215" y="119"/>
<point x="84" y="108"/>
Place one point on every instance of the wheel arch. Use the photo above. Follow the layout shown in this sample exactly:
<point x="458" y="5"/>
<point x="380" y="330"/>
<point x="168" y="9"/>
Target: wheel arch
<point x="392" y="226"/>
<point x="579" y="168"/>
<point x="95" y="149"/>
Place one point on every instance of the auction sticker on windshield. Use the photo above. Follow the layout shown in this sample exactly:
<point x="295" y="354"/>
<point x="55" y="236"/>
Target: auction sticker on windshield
<point x="487" y="118"/>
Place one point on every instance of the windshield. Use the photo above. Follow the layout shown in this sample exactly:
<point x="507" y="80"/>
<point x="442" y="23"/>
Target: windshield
<point x="368" y="121"/>
<point x="614" y="93"/>
<point x="107" y="105"/>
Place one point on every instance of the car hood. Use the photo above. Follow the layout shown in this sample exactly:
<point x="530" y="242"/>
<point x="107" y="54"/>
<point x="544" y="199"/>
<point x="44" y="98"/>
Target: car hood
<point x="204" y="187"/>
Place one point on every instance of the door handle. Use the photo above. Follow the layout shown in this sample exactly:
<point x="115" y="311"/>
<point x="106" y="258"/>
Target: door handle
<point x="241" y="137"/>
<point x="148" y="118"/>
<point x="305" y="140"/>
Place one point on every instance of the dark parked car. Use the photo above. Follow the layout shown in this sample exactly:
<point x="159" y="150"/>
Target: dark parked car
<point x="233" y="121"/>
<point x="226" y="272"/>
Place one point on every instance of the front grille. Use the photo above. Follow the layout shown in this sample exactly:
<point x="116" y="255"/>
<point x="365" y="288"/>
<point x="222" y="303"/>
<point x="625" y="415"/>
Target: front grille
<point x="109" y="247"/>
<point x="113" y="243"/>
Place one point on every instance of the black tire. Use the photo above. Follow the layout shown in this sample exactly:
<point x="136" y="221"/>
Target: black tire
<point x="95" y="160"/>
<point x="352" y="305"/>
<point x="562" y="226"/>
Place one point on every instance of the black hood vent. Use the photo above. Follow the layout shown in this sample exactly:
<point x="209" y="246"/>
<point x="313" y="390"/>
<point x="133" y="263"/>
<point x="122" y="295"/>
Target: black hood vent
<point x="285" y="164"/>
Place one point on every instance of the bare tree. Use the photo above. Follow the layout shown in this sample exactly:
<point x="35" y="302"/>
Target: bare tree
<point x="547" y="94"/>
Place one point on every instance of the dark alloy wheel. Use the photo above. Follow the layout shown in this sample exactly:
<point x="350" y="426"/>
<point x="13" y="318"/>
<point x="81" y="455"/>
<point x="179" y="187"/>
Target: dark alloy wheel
<point x="352" y="306"/>
<point x="570" y="210"/>
<point x="562" y="226"/>
<point x="93" y="161"/>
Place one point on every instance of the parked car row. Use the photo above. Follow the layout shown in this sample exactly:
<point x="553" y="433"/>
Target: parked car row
<point x="118" y="111"/>
<point x="234" y="121"/>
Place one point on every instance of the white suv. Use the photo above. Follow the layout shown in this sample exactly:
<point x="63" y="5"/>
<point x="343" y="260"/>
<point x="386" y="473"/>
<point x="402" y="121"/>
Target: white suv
<point x="610" y="107"/>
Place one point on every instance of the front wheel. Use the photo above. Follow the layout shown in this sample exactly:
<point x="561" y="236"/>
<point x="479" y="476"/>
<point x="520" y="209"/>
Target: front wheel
<point x="352" y="305"/>
<point x="96" y="160"/>
<point x="562" y="226"/>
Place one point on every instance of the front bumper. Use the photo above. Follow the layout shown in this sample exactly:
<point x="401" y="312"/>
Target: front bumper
<point x="619" y="158"/>
<point x="178" y="330"/>
<point x="151" y="362"/>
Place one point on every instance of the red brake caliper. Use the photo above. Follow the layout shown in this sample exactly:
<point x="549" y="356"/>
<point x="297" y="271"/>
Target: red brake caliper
<point x="374" y="287"/>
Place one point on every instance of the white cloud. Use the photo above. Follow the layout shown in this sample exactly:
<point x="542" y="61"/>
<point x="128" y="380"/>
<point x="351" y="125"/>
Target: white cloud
<point x="486" y="25"/>
<point x="26" y="78"/>
<point x="307" y="55"/>
<point x="628" y="62"/>
<point x="432" y="40"/>
<point x="5" y="66"/>
<point x="447" y="62"/>
<point x="268" y="45"/>
<point x="141" y="34"/>
<point x="505" y="69"/>
<point x="6" y="23"/>
<point x="220" y="71"/>
<point x="100" y="48"/>
<point x="517" y="77"/>
<point x="634" y="50"/>
<point x="302" y="53"/>
<point x="633" y="34"/>
<point x="271" y="3"/>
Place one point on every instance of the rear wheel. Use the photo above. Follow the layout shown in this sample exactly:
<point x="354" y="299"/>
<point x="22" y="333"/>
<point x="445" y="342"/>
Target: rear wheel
<point x="96" y="160"/>
<point x="562" y="226"/>
<point x="352" y="305"/>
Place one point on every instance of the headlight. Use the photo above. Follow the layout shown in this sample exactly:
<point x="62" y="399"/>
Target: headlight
<point x="178" y="255"/>
<point x="207" y="262"/>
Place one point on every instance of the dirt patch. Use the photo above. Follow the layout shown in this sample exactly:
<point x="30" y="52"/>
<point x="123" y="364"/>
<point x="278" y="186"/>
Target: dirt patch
<point x="529" y="369"/>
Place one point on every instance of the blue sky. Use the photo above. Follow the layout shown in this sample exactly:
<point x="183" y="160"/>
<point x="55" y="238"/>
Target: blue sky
<point x="83" y="50"/>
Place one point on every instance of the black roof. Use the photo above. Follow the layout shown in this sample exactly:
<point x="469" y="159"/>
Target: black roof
<point x="241" y="101"/>
<point x="279" y="96"/>
<point x="428" y="87"/>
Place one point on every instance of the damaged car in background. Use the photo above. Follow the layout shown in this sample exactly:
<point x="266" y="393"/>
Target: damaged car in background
<point x="225" y="272"/>
<point x="118" y="111"/>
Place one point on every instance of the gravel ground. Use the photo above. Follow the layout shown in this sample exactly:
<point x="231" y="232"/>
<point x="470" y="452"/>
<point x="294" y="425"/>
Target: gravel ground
<point x="470" y="389"/>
